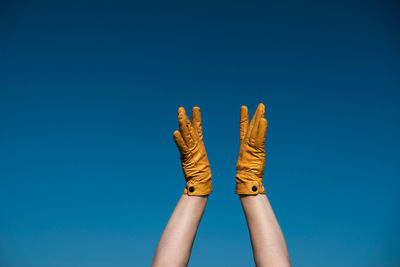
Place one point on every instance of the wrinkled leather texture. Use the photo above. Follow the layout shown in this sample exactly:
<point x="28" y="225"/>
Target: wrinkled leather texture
<point x="194" y="160"/>
<point x="251" y="159"/>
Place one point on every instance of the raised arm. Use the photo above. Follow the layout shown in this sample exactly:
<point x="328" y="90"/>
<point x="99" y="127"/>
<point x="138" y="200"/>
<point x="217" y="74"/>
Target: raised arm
<point x="269" y="247"/>
<point x="176" y="242"/>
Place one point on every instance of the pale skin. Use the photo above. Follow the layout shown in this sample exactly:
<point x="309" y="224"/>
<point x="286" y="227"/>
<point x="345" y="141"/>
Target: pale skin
<point x="269" y="246"/>
<point x="175" y="245"/>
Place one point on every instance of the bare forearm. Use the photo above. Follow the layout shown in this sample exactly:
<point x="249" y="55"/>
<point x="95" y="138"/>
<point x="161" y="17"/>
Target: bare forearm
<point x="177" y="239"/>
<point x="269" y="247"/>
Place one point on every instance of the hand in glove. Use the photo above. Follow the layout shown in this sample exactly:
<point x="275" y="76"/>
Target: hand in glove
<point x="251" y="159"/>
<point x="195" y="165"/>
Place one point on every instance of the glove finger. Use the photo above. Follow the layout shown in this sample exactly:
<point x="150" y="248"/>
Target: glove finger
<point x="262" y="131"/>
<point x="256" y="120"/>
<point x="251" y="125"/>
<point x="185" y="127"/>
<point x="244" y="122"/>
<point x="196" y="122"/>
<point x="180" y="143"/>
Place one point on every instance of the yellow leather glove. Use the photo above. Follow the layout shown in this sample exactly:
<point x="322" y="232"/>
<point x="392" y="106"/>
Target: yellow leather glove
<point x="251" y="160"/>
<point x="195" y="165"/>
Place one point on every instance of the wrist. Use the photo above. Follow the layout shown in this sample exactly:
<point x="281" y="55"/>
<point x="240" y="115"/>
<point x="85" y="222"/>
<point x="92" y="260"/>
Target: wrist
<point x="198" y="188"/>
<point x="248" y="184"/>
<point x="250" y="188"/>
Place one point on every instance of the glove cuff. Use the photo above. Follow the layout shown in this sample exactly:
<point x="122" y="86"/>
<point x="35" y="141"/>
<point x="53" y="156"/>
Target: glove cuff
<point x="196" y="188"/>
<point x="246" y="185"/>
<point x="250" y="188"/>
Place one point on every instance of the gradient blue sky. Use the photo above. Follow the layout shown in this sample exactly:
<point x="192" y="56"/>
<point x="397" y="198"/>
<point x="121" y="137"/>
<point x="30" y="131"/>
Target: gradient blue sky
<point x="89" y="92"/>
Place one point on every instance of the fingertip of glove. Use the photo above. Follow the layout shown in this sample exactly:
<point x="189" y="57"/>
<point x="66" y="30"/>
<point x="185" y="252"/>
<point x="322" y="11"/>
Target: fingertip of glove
<point x="181" y="109"/>
<point x="176" y="133"/>
<point x="243" y="107"/>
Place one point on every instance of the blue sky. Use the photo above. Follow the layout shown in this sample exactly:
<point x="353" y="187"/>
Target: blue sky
<point x="89" y="92"/>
